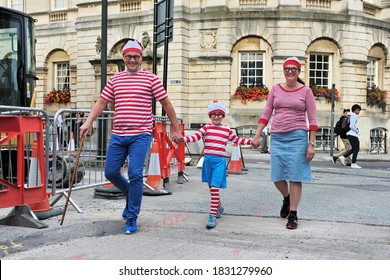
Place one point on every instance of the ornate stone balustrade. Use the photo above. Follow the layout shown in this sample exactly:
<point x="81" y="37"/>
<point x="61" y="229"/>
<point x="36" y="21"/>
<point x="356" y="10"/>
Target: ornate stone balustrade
<point x="253" y="3"/>
<point x="57" y="17"/>
<point x="131" y="6"/>
<point x="318" y="4"/>
<point x="370" y="9"/>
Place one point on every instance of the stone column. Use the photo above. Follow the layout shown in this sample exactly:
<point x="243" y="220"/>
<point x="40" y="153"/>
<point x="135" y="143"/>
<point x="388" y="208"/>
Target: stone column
<point x="353" y="81"/>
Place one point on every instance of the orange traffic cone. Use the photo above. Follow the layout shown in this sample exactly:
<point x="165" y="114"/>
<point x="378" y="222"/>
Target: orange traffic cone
<point x="154" y="180"/>
<point x="34" y="180"/>
<point x="42" y="205"/>
<point x="109" y="185"/>
<point x="108" y="190"/>
<point x="235" y="165"/>
<point x="243" y="168"/>
<point x="200" y="163"/>
<point x="43" y="209"/>
<point x="34" y="175"/>
<point x="71" y="145"/>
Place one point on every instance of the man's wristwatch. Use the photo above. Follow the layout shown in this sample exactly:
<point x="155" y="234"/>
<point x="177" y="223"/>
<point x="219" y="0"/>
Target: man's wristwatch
<point x="313" y="143"/>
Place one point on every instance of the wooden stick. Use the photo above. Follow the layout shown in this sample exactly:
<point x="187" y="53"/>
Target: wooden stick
<point x="73" y="178"/>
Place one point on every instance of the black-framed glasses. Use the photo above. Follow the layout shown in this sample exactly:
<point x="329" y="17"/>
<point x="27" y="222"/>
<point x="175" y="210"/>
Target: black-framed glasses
<point x="292" y="69"/>
<point x="216" y="115"/>
<point x="135" y="57"/>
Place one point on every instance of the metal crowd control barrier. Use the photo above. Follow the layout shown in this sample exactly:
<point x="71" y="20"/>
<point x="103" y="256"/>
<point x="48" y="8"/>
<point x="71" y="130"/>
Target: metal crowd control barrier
<point x="23" y="178"/>
<point x="61" y="137"/>
<point x="90" y="172"/>
<point x="64" y="147"/>
<point x="59" y="154"/>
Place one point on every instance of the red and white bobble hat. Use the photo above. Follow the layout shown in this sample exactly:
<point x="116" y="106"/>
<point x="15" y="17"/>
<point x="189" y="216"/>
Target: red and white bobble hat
<point x="292" y="61"/>
<point x="216" y="107"/>
<point x="132" y="46"/>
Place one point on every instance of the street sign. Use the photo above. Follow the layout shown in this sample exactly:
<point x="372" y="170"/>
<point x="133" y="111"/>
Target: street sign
<point x="164" y="19"/>
<point x="162" y="35"/>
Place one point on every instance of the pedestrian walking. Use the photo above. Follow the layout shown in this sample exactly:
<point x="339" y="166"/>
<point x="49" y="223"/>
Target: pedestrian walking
<point x="76" y="121"/>
<point x="216" y="136"/>
<point x="63" y="130"/>
<point x="353" y="136"/>
<point x="341" y="129"/>
<point x="264" y="141"/>
<point x="292" y="140"/>
<point x="133" y="91"/>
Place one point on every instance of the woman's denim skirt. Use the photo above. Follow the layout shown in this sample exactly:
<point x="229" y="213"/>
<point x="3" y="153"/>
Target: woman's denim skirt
<point x="288" y="157"/>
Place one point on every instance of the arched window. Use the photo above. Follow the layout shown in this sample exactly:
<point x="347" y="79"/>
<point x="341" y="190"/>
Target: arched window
<point x="323" y="55"/>
<point x="375" y="68"/>
<point x="59" y="81"/>
<point x="251" y="63"/>
<point x="376" y="93"/>
<point x="59" y="71"/>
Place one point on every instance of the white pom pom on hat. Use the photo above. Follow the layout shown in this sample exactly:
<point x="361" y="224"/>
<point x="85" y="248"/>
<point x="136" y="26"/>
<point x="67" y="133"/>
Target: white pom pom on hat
<point x="132" y="46"/>
<point x="216" y="107"/>
<point x="292" y="60"/>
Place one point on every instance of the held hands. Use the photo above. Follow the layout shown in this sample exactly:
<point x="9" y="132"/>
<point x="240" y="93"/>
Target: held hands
<point x="256" y="141"/>
<point x="178" y="141"/>
<point x="177" y="137"/>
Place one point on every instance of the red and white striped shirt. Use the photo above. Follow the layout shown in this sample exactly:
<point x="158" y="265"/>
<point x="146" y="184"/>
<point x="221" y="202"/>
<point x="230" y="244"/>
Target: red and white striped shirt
<point x="216" y="138"/>
<point x="133" y="95"/>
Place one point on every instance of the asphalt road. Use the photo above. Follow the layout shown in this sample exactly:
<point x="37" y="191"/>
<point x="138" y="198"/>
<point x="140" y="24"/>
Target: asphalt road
<point x="343" y="214"/>
<point x="343" y="217"/>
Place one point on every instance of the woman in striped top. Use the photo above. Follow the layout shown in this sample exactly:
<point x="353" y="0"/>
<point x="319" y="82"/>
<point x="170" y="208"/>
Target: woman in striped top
<point x="293" y="130"/>
<point x="216" y="136"/>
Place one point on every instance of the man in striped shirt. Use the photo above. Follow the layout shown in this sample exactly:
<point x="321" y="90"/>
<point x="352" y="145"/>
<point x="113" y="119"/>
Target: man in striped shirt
<point x="132" y="91"/>
<point x="216" y="136"/>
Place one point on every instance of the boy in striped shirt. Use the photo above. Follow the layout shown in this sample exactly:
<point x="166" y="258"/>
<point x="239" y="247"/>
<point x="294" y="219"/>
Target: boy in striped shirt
<point x="216" y="136"/>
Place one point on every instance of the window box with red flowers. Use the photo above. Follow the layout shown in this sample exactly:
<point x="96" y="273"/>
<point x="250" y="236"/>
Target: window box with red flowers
<point x="326" y="93"/>
<point x="57" y="97"/>
<point x="376" y="97"/>
<point x="255" y="93"/>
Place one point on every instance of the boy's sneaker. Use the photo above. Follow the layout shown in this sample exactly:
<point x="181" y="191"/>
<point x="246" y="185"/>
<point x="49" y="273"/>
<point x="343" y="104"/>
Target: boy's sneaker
<point x="131" y="226"/>
<point x="219" y="212"/>
<point x="334" y="159"/>
<point x="285" y="207"/>
<point x="342" y="160"/>
<point x="212" y="222"/>
<point x="354" y="165"/>
<point x="292" y="222"/>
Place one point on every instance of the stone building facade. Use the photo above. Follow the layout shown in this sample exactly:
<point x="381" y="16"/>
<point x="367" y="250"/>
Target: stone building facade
<point x="218" y="45"/>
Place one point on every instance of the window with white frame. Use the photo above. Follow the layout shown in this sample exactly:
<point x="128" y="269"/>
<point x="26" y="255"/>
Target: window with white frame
<point x="319" y="72"/>
<point x="62" y="76"/>
<point x="251" y="68"/>
<point x="17" y="5"/>
<point x="60" y="4"/>
<point x="372" y="73"/>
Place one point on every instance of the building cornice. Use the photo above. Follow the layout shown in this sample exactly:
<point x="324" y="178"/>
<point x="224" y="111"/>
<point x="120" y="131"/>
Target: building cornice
<point x="354" y="61"/>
